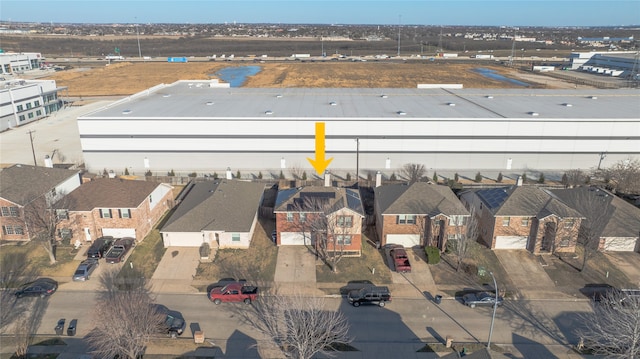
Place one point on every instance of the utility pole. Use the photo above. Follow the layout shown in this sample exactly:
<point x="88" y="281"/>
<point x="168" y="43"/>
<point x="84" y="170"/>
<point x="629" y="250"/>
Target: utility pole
<point x="399" y="22"/>
<point x="495" y="305"/>
<point x="33" y="151"/>
<point x="357" y="162"/>
<point x="138" y="37"/>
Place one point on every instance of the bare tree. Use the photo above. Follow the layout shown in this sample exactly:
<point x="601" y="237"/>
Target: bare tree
<point x="613" y="328"/>
<point x="573" y="178"/>
<point x="299" y="327"/>
<point x="624" y="176"/>
<point x="413" y="172"/>
<point x="43" y="218"/>
<point x="125" y="317"/>
<point x="14" y="270"/>
<point x="296" y="171"/>
<point x="465" y="237"/>
<point x="25" y="328"/>
<point x="328" y="228"/>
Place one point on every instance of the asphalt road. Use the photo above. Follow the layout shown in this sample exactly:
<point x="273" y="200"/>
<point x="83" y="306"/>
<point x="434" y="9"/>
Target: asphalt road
<point x="529" y="326"/>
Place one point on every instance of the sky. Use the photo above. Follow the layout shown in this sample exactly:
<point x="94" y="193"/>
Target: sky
<point x="404" y="12"/>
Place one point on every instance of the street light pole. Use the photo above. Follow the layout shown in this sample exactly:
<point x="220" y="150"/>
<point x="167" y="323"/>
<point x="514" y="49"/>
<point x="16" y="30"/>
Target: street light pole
<point x="493" y="317"/>
<point x="138" y="37"/>
<point x="357" y="162"/>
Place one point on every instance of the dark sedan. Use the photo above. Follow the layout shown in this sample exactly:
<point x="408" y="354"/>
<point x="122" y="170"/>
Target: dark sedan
<point x="42" y="287"/>
<point x="480" y="299"/>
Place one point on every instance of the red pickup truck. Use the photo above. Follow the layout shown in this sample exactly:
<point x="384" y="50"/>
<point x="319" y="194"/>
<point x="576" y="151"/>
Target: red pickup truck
<point x="234" y="292"/>
<point x="400" y="259"/>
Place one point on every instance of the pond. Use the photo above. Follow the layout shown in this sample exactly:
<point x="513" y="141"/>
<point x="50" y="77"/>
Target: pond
<point x="236" y="76"/>
<point x="492" y="74"/>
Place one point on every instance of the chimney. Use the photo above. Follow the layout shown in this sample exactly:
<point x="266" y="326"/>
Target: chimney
<point x="112" y="174"/>
<point x="48" y="162"/>
<point x="327" y="179"/>
<point x="378" y="179"/>
<point x="229" y="175"/>
<point x="519" y="181"/>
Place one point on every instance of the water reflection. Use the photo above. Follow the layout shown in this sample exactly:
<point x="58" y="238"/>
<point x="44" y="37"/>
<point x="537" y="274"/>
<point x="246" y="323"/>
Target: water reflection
<point x="236" y="76"/>
<point x="492" y="74"/>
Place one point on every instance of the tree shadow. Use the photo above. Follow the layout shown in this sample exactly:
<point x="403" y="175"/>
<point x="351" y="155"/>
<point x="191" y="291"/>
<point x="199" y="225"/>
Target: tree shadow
<point x="530" y="348"/>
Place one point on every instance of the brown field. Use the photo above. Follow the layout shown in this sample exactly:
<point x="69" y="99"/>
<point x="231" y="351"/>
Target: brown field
<point x="128" y="78"/>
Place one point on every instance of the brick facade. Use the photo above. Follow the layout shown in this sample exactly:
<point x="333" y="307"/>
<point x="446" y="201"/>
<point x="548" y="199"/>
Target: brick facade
<point x="10" y="224"/>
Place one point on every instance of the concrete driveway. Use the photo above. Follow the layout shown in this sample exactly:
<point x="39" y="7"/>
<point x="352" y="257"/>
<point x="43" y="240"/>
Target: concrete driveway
<point x="176" y="270"/>
<point x="296" y="270"/>
<point x="526" y="272"/>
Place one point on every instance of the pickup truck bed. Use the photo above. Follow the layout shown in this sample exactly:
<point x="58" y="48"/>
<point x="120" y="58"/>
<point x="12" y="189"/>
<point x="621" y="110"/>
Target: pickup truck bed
<point x="400" y="260"/>
<point x="234" y="292"/>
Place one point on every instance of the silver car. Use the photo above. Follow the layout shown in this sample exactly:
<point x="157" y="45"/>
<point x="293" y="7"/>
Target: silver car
<point x="85" y="268"/>
<point x="480" y="299"/>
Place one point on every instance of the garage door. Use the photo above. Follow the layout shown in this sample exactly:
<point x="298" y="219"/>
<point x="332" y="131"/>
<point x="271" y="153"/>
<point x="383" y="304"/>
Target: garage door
<point x="511" y="242"/>
<point x="119" y="232"/>
<point x="620" y="244"/>
<point x="294" y="239"/>
<point x="407" y="240"/>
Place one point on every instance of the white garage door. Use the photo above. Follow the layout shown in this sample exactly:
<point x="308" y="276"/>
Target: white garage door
<point x="511" y="242"/>
<point x="119" y="232"/>
<point x="620" y="244"/>
<point x="294" y="239"/>
<point x="182" y="239"/>
<point x="407" y="240"/>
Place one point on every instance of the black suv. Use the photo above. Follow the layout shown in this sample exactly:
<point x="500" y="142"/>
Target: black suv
<point x="99" y="247"/>
<point x="369" y="295"/>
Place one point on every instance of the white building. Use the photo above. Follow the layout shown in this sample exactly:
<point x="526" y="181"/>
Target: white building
<point x="24" y="101"/>
<point x="11" y="63"/>
<point x="191" y="127"/>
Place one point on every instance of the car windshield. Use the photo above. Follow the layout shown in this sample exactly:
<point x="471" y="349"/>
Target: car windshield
<point x="79" y="271"/>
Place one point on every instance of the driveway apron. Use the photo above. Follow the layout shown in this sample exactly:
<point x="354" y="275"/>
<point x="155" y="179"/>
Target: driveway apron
<point x="295" y="271"/>
<point x="527" y="273"/>
<point x="176" y="270"/>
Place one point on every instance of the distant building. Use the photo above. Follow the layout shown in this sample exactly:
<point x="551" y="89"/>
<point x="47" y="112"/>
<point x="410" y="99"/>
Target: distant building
<point x="24" y="101"/>
<point x="11" y="63"/>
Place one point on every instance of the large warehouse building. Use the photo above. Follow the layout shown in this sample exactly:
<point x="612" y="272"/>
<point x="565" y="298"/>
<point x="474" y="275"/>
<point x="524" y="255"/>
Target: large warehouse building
<point x="197" y="126"/>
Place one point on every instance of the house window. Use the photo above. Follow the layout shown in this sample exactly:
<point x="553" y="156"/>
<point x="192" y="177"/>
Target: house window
<point x="65" y="233"/>
<point x="235" y="237"/>
<point x="28" y="105"/>
<point x="344" y="239"/>
<point x="10" y="212"/>
<point x="21" y="118"/>
<point x="36" y="103"/>
<point x="456" y="220"/>
<point x="303" y="217"/>
<point x="406" y="219"/>
<point x="565" y="242"/>
<point x="105" y="213"/>
<point x="7" y="229"/>
<point x="30" y="115"/>
<point x="568" y="223"/>
<point x="124" y="213"/>
<point x="289" y="216"/>
<point x="39" y="113"/>
<point x="18" y="230"/>
<point x="150" y="199"/>
<point x="525" y="222"/>
<point x="345" y="221"/>
<point x="62" y="214"/>
<point x="481" y="206"/>
<point x="20" y="108"/>
<point x="506" y="221"/>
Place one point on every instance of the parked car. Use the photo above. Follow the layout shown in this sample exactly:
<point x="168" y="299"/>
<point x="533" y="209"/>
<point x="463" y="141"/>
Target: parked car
<point x="85" y="268"/>
<point x="224" y="281"/>
<point x="400" y="259"/>
<point x="42" y="287"/>
<point x="234" y="292"/>
<point x="369" y="295"/>
<point x="480" y="299"/>
<point x="119" y="250"/>
<point x="99" y="247"/>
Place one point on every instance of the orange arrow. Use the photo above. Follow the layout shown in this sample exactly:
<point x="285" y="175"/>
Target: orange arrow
<point x="320" y="163"/>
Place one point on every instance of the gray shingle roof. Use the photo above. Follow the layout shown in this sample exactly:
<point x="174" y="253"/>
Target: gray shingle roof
<point x="109" y="193"/>
<point x="222" y="205"/>
<point x="526" y="201"/>
<point x="21" y="184"/>
<point x="336" y="198"/>
<point x="622" y="218"/>
<point x="418" y="198"/>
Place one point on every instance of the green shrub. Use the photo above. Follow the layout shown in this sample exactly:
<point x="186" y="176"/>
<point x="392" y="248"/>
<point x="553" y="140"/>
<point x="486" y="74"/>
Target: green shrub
<point x="193" y="174"/>
<point x="260" y="175"/>
<point x="433" y="254"/>
<point x="499" y="179"/>
<point x="304" y="175"/>
<point x="126" y="171"/>
<point x="238" y="174"/>
<point x="215" y="175"/>
<point x="478" y="177"/>
<point x="435" y="177"/>
<point x="541" y="178"/>
<point x="281" y="175"/>
<point x="171" y="173"/>
<point x="148" y="173"/>
<point x="393" y="177"/>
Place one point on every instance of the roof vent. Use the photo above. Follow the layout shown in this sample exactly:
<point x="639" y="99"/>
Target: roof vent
<point x="268" y="112"/>
<point x="126" y="112"/>
<point x="451" y="104"/>
<point x="401" y="113"/>
<point x="333" y="103"/>
<point x="209" y="103"/>
<point x="532" y="113"/>
<point x="567" y="105"/>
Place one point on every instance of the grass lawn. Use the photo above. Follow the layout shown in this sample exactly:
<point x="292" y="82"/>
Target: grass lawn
<point x="256" y="264"/>
<point x="145" y="256"/>
<point x="357" y="268"/>
<point x="39" y="259"/>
